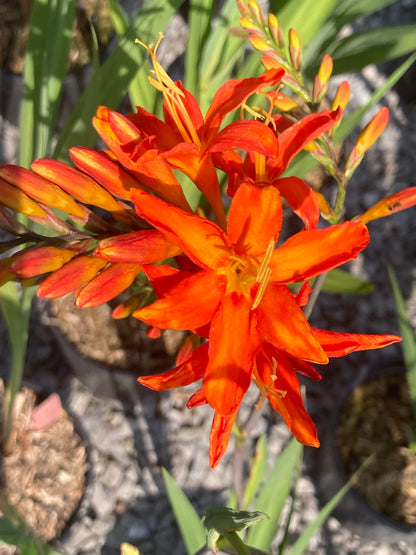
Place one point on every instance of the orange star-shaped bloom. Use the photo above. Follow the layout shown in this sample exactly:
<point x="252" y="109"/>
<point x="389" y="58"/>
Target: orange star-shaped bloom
<point x="240" y="286"/>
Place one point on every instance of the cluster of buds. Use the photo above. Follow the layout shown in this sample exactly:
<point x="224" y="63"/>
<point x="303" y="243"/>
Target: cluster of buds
<point x="120" y="221"/>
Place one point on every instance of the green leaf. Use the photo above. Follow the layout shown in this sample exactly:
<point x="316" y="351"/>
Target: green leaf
<point x="302" y="543"/>
<point x="356" y="51"/>
<point x="406" y="331"/>
<point x="117" y="72"/>
<point x="341" y="281"/>
<point x="292" y="15"/>
<point x="190" y="525"/>
<point x="45" y="67"/>
<point x="225" y="519"/>
<point x="200" y="15"/>
<point x="141" y="92"/>
<point x="273" y="496"/>
<point x="16" y="312"/>
<point x="219" y="55"/>
<point x="257" y="470"/>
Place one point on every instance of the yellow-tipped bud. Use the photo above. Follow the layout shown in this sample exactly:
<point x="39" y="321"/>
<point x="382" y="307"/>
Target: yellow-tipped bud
<point x="372" y="131"/>
<point x="295" y="49"/>
<point x="325" y="70"/>
<point x="284" y="103"/>
<point x="390" y="205"/>
<point x="259" y="43"/>
<point x="257" y="12"/>
<point x="342" y="96"/>
<point x="275" y="30"/>
<point x="247" y="24"/>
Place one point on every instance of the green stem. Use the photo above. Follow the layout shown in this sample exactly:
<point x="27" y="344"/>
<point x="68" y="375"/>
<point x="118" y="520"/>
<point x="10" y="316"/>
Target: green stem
<point x="237" y="543"/>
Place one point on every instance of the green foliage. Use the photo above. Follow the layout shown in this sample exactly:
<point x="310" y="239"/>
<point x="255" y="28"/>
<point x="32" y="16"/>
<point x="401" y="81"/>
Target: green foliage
<point x="15" y="531"/>
<point x="406" y="331"/>
<point x="341" y="281"/>
<point x="273" y="495"/>
<point x="192" y="530"/>
<point x="45" y="67"/>
<point x="112" y="79"/>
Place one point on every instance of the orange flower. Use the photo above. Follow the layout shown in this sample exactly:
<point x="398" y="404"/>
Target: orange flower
<point x="266" y="163"/>
<point x="274" y="372"/>
<point x="150" y="149"/>
<point x="239" y="286"/>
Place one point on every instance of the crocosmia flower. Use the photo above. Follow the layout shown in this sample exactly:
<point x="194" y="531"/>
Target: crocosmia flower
<point x="239" y="290"/>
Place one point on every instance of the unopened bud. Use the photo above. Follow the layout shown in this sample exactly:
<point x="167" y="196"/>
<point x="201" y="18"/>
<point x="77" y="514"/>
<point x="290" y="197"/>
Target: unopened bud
<point x="257" y="12"/>
<point x="276" y="31"/>
<point x="259" y="43"/>
<point x="295" y="49"/>
<point x="342" y="96"/>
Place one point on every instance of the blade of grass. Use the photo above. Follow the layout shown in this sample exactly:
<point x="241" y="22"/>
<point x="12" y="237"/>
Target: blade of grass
<point x="406" y="331"/>
<point x="116" y="73"/>
<point x="302" y="543"/>
<point x="45" y="66"/>
<point x="273" y="496"/>
<point x="356" y="51"/>
<point x="190" y="525"/>
<point x="16" y="312"/>
<point x="199" y="17"/>
<point x="257" y="471"/>
<point x="292" y="15"/>
<point x="141" y="92"/>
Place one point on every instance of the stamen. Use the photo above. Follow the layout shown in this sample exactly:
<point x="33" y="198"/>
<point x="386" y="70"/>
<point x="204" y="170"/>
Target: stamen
<point x="263" y="275"/>
<point x="173" y="96"/>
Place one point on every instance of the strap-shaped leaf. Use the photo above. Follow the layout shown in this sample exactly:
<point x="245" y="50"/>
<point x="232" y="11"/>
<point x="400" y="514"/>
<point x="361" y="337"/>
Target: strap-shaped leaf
<point x="116" y="73"/>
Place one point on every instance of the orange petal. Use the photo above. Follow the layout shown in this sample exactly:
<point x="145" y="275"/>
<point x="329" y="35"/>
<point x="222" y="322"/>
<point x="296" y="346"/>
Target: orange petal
<point x="146" y="246"/>
<point x="233" y="345"/>
<point x="40" y="189"/>
<point x="109" y="283"/>
<point x="125" y="141"/>
<point x="301" y="198"/>
<point x="390" y="205"/>
<point x="281" y="383"/>
<point x="298" y="135"/>
<point x="232" y="95"/>
<point x="220" y="434"/>
<point x="202" y="240"/>
<point x="312" y="252"/>
<point x="255" y="218"/>
<point x="282" y="323"/>
<point x="41" y="260"/>
<point x="337" y="344"/>
<point x="186" y="373"/>
<point x="248" y="135"/>
<point x="71" y="276"/>
<point x="187" y="306"/>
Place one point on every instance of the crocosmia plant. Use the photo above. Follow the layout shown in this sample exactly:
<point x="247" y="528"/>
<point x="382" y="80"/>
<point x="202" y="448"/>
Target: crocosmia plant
<point x="183" y="214"/>
<point x="218" y="270"/>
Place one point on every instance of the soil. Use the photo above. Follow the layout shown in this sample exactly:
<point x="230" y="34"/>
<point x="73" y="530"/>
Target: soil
<point x="14" y="32"/>
<point x="377" y="420"/>
<point x="123" y="344"/>
<point x="44" y="474"/>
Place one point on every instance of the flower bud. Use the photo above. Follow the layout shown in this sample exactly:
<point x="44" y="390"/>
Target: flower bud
<point x="40" y="260"/>
<point x="295" y="49"/>
<point x="109" y="283"/>
<point x="71" y="276"/>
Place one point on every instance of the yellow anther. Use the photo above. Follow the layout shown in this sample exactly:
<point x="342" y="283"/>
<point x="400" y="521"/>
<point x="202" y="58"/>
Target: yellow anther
<point x="173" y="95"/>
<point x="263" y="274"/>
